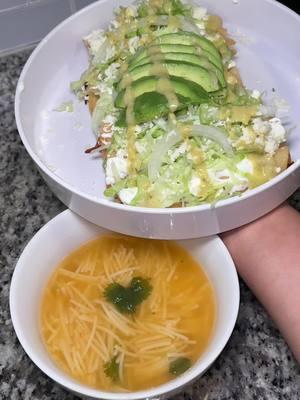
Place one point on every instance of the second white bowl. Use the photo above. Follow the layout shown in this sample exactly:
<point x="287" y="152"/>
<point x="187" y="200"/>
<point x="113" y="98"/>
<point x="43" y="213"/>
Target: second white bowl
<point x="61" y="236"/>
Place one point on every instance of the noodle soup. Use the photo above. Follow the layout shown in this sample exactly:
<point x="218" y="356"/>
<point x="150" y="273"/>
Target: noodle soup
<point x="126" y="314"/>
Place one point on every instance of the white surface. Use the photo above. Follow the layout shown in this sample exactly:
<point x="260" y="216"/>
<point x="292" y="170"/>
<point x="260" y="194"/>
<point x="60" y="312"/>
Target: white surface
<point x="268" y="58"/>
<point x="68" y="231"/>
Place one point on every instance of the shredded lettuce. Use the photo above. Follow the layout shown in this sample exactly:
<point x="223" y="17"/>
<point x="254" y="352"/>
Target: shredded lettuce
<point x="169" y="7"/>
<point x="89" y="77"/>
<point x="104" y="106"/>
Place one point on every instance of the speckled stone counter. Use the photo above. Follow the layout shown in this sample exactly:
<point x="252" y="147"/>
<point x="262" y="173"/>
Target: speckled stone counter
<point x="256" y="363"/>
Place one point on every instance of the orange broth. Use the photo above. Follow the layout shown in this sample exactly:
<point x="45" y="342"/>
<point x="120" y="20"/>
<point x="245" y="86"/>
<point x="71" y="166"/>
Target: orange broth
<point x="83" y="331"/>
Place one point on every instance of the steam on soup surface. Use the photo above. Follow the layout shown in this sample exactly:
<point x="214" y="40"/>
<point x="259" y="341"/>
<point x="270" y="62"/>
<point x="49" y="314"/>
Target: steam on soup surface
<point x="126" y="314"/>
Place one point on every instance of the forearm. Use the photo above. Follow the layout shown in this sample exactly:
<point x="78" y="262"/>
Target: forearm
<point x="267" y="256"/>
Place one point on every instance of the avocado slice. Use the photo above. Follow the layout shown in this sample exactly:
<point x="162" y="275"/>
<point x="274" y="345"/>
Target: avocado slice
<point x="149" y="106"/>
<point x="191" y="72"/>
<point x="202" y="61"/>
<point x="191" y="39"/>
<point x="174" y="48"/>
<point x="190" y="91"/>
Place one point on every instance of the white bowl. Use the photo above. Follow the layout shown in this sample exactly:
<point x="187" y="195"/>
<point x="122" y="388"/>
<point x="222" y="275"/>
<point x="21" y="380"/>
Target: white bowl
<point x="268" y="57"/>
<point x="65" y="233"/>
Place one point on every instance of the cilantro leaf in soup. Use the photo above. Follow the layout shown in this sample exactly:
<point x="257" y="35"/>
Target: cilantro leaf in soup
<point x="126" y="299"/>
<point x="120" y="297"/>
<point x="111" y="369"/>
<point x="179" y="366"/>
<point x="140" y="289"/>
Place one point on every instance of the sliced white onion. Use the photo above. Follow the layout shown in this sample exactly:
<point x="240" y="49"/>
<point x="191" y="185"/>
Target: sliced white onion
<point x="160" y="148"/>
<point x="174" y="137"/>
<point x="214" y="134"/>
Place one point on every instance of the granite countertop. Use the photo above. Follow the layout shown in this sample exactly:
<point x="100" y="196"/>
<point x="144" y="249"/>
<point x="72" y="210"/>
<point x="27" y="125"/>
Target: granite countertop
<point x="256" y="363"/>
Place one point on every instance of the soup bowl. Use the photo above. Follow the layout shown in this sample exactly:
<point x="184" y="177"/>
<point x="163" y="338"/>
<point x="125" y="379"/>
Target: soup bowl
<point x="268" y="59"/>
<point x="64" y="234"/>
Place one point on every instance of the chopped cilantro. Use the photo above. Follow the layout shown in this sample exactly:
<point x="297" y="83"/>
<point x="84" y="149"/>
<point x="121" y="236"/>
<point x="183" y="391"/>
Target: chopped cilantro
<point x="179" y="366"/>
<point x="111" y="369"/>
<point x="140" y="289"/>
<point x="126" y="299"/>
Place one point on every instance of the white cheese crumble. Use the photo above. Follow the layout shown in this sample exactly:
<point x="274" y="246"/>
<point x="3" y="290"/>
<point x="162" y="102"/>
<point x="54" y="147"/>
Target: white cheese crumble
<point x="245" y="166"/>
<point x="94" y="41"/>
<point x="116" y="167"/>
<point x="174" y="154"/>
<point x="246" y="136"/>
<point x="112" y="71"/>
<point x="133" y="44"/>
<point x="231" y="64"/>
<point x="270" y="134"/>
<point x="199" y="12"/>
<point x="195" y="185"/>
<point x="105" y="89"/>
<point x="256" y="94"/>
<point x="261" y="126"/>
<point x="276" y="136"/>
<point x="128" y="194"/>
<point x="110" y="51"/>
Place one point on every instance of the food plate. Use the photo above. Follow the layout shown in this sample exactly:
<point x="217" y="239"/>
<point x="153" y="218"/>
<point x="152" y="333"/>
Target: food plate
<point x="268" y="59"/>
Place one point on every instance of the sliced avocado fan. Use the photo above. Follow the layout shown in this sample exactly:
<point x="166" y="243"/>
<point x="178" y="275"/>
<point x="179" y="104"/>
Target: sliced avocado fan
<point x="191" y="63"/>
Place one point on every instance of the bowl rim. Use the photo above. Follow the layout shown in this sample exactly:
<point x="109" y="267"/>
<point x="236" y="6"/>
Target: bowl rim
<point x="170" y="386"/>
<point x="106" y="202"/>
